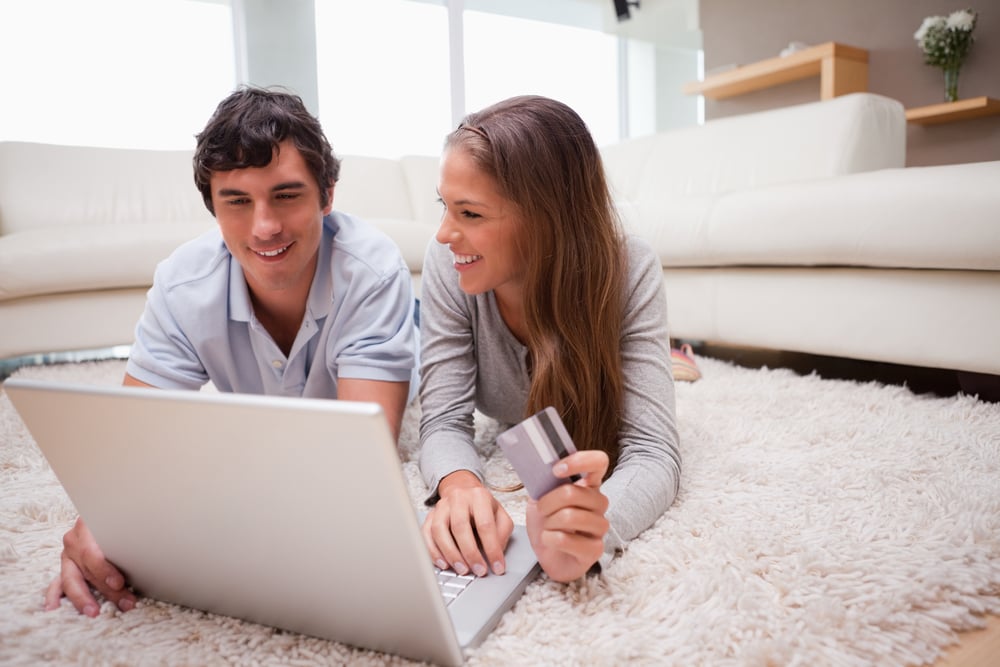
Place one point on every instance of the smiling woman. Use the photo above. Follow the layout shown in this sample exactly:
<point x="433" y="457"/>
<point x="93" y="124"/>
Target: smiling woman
<point x="97" y="75"/>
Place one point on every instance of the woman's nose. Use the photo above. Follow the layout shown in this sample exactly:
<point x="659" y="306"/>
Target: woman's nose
<point x="446" y="232"/>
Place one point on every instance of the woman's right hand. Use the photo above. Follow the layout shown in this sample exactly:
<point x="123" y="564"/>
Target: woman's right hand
<point x="83" y="566"/>
<point x="467" y="516"/>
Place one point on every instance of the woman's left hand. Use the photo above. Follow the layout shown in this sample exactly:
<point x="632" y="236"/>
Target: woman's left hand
<point x="567" y="526"/>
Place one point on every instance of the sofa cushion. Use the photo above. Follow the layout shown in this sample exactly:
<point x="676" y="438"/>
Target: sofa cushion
<point x="44" y="185"/>
<point x="77" y="258"/>
<point x="421" y="173"/>
<point x="942" y="217"/>
<point x="372" y="187"/>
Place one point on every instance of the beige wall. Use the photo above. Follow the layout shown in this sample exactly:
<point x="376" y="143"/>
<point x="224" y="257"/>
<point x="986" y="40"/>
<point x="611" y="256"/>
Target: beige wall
<point x="745" y="31"/>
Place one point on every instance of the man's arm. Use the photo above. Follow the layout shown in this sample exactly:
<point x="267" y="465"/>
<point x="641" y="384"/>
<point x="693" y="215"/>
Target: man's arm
<point x="390" y="395"/>
<point x="130" y="381"/>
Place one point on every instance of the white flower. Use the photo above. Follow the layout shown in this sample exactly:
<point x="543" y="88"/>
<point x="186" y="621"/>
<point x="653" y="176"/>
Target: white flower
<point x="945" y="42"/>
<point x="929" y="22"/>
<point x="962" y="19"/>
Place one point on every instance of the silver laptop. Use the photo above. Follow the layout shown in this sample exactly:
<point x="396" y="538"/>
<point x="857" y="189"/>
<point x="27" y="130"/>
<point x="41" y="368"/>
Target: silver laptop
<point x="289" y="512"/>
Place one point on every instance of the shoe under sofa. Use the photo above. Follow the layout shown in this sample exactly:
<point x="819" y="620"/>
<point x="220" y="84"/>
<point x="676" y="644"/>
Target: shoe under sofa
<point x="796" y="229"/>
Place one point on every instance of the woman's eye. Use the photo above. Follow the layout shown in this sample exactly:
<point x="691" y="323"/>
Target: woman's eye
<point x="470" y="215"/>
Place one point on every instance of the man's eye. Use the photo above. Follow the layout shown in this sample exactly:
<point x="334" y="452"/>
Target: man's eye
<point x="237" y="201"/>
<point x="288" y="195"/>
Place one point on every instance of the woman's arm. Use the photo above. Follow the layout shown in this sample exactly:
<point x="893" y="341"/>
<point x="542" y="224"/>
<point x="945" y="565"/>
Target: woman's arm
<point x="646" y="479"/>
<point x="463" y="507"/>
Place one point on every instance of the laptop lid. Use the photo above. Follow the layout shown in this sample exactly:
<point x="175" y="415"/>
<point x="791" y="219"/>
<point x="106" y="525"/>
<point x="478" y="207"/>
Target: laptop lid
<point x="289" y="512"/>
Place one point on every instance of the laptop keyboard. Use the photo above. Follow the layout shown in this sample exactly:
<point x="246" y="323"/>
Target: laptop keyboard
<point x="452" y="584"/>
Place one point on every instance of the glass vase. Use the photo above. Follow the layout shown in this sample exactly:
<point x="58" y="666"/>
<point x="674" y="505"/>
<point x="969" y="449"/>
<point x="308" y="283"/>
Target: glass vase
<point x="951" y="83"/>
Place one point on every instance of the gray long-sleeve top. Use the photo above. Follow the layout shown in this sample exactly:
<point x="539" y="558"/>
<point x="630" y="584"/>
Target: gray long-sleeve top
<point x="471" y="360"/>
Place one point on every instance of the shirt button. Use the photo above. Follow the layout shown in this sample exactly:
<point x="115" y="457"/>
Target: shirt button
<point x="277" y="363"/>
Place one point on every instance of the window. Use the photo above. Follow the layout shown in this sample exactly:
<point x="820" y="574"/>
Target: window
<point x="383" y="71"/>
<point x="385" y="75"/>
<point x="506" y="56"/>
<point x="119" y="73"/>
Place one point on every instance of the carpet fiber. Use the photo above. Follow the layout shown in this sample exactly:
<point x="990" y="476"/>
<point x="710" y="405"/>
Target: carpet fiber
<point x="819" y="523"/>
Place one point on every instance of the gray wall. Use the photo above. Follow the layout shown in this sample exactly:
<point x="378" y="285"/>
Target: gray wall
<point x="276" y="46"/>
<point x="745" y="31"/>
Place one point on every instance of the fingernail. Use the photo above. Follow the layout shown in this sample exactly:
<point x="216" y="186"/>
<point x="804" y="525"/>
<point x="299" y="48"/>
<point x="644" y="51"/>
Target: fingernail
<point x="560" y="469"/>
<point x="498" y="568"/>
<point x="114" y="582"/>
<point x="49" y="606"/>
<point x="479" y="569"/>
<point x="441" y="565"/>
<point x="460" y="568"/>
<point x="126" y="604"/>
<point x="90" y="610"/>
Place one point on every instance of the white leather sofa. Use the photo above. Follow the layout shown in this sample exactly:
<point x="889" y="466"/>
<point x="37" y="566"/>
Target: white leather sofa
<point x="796" y="229"/>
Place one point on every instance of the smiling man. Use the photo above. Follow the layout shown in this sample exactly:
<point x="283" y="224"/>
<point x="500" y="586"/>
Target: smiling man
<point x="285" y="296"/>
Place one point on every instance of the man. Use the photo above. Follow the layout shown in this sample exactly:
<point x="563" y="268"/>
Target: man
<point x="284" y="297"/>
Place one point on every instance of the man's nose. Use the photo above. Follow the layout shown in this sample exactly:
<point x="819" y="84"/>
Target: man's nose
<point x="265" y="223"/>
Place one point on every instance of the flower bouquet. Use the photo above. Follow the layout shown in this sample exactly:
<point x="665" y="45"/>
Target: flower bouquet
<point x="945" y="42"/>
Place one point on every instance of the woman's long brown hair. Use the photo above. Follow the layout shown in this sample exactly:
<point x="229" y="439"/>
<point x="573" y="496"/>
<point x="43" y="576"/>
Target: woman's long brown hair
<point x="544" y="159"/>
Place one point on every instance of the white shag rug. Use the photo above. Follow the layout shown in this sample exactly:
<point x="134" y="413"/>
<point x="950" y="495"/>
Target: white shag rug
<point x="819" y="523"/>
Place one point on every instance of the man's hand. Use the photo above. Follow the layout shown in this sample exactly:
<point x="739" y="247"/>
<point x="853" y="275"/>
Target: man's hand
<point x="84" y="565"/>
<point x="467" y="511"/>
<point x="567" y="526"/>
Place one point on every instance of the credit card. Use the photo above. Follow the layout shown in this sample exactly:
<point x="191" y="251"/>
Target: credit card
<point x="533" y="447"/>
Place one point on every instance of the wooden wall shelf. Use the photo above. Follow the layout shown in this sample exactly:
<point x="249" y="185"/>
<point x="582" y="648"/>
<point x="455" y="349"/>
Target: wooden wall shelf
<point x="841" y="69"/>
<point x="947" y="112"/>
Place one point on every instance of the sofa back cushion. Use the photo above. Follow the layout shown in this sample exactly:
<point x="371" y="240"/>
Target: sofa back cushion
<point x="844" y="135"/>
<point x="396" y="196"/>
<point x="668" y="186"/>
<point x="372" y="187"/>
<point x="46" y="185"/>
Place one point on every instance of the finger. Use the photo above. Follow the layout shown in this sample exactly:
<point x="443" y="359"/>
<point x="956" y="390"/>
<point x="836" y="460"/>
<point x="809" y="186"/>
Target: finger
<point x="585" y="498"/>
<point x="583" y="549"/>
<point x="577" y="521"/>
<point x="494" y="527"/>
<point x="446" y="521"/>
<point x="436" y="556"/>
<point x="474" y="519"/>
<point x="81" y="548"/>
<point x="105" y="577"/>
<point x="76" y="589"/>
<point x="589" y="464"/>
<point x="54" y="594"/>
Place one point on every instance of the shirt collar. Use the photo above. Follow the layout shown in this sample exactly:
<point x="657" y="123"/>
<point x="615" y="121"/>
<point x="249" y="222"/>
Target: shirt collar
<point x="320" y="301"/>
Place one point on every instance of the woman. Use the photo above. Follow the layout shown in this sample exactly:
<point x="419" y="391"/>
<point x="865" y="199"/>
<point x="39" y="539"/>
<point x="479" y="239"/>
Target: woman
<point x="532" y="296"/>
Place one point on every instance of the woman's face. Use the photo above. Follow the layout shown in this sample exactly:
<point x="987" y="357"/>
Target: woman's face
<point x="479" y="225"/>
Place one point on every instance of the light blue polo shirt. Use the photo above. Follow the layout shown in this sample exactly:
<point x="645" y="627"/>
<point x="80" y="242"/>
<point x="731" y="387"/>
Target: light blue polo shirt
<point x="198" y="323"/>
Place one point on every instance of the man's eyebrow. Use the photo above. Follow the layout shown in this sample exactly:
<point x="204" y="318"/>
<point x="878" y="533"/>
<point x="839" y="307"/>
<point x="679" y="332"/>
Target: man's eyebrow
<point x="234" y="192"/>
<point x="290" y="185"/>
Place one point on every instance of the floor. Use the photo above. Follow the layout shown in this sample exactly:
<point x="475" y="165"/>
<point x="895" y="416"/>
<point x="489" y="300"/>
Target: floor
<point x="936" y="381"/>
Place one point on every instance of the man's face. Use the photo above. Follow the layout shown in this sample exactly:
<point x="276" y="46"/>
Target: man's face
<point x="271" y="220"/>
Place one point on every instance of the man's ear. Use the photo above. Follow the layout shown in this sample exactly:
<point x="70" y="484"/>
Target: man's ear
<point x="329" y="200"/>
